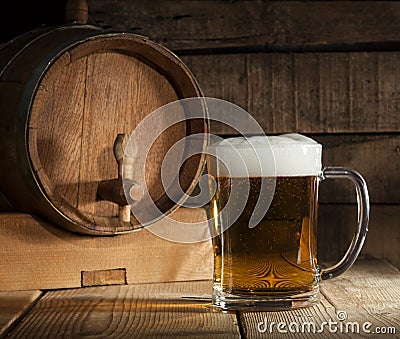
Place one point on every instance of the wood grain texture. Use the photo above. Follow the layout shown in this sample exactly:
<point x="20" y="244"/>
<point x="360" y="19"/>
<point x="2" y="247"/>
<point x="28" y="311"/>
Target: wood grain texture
<point x="93" y="102"/>
<point x="376" y="157"/>
<point x="194" y="25"/>
<point x="58" y="150"/>
<point x="152" y="310"/>
<point x="91" y="85"/>
<point x="336" y="226"/>
<point x="369" y="291"/>
<point x="318" y="314"/>
<point x="306" y="92"/>
<point x="116" y="276"/>
<point x="36" y="255"/>
<point x="120" y="110"/>
<point x="13" y="305"/>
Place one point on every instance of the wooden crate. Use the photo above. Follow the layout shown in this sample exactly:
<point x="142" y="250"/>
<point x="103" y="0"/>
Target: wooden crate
<point x="37" y="255"/>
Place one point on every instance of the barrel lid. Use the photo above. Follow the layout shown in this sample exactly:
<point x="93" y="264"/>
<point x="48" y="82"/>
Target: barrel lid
<point x="91" y="91"/>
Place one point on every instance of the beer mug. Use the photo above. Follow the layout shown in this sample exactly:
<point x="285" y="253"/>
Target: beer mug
<point x="264" y="210"/>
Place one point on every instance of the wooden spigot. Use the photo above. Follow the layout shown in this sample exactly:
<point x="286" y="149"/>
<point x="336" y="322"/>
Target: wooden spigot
<point x="120" y="142"/>
<point x="113" y="190"/>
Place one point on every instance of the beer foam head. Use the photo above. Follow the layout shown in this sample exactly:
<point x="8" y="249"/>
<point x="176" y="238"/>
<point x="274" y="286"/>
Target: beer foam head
<point x="282" y="155"/>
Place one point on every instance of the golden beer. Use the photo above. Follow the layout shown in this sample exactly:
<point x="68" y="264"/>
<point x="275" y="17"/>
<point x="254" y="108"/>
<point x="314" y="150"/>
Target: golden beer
<point x="264" y="203"/>
<point x="279" y="253"/>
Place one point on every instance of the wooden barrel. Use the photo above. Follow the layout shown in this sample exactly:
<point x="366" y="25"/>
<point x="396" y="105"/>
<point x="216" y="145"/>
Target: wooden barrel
<point x="65" y="94"/>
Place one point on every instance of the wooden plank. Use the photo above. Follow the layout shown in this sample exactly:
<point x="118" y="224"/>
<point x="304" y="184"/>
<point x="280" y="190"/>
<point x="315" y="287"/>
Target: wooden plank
<point x="143" y="90"/>
<point x="13" y="305"/>
<point x="116" y="276"/>
<point x="369" y="292"/>
<point x="36" y="255"/>
<point x="306" y="92"/>
<point x="152" y="310"/>
<point x="388" y="87"/>
<point x="57" y="151"/>
<point x="263" y="25"/>
<point x="332" y="86"/>
<point x="337" y="223"/>
<point x="376" y="157"/>
<point x="277" y="95"/>
<point x="251" y="321"/>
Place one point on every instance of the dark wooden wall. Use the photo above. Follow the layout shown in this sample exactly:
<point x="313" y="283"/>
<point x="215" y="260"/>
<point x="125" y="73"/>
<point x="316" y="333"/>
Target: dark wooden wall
<point x="20" y="16"/>
<point x="328" y="69"/>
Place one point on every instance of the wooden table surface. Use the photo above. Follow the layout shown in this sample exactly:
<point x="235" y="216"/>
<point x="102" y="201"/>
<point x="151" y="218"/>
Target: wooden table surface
<point x="369" y="292"/>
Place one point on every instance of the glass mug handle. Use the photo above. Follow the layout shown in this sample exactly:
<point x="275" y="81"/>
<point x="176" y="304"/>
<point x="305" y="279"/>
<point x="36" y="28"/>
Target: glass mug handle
<point x="363" y="217"/>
